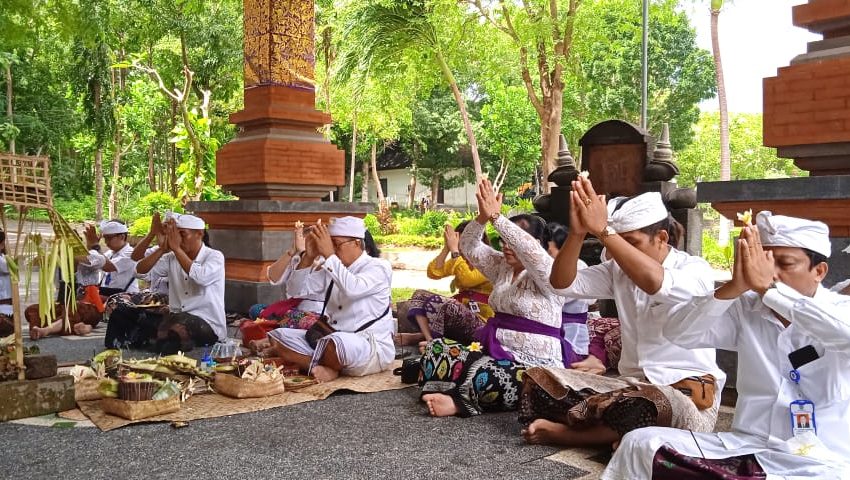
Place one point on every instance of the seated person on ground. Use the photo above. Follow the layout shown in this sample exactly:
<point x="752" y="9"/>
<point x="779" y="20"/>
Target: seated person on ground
<point x="574" y="311"/>
<point x="792" y="336"/>
<point x="359" y="292"/>
<point x="647" y="278"/>
<point x="306" y="296"/>
<point x="525" y="331"/>
<point x="454" y="317"/>
<point x="134" y="317"/>
<point x="100" y="275"/>
<point x="195" y="275"/>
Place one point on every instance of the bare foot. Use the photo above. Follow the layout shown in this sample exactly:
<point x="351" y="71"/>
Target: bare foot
<point x="81" y="329"/>
<point x="37" y="332"/>
<point x="544" y="432"/>
<point x="440" y="405"/>
<point x="407" y="339"/>
<point x="259" y="345"/>
<point x="324" y="374"/>
<point x="422" y="346"/>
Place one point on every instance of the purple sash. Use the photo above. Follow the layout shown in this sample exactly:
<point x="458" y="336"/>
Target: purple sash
<point x="486" y="336"/>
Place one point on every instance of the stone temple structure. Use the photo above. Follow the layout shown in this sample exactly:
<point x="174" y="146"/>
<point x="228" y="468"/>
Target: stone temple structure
<point x="279" y="165"/>
<point x="807" y="118"/>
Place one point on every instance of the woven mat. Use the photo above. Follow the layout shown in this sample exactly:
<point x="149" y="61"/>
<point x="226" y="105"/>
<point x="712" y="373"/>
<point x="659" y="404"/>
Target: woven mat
<point x="214" y="405"/>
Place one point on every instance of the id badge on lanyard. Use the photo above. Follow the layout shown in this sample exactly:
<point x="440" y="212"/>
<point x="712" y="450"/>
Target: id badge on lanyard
<point x="473" y="307"/>
<point x="802" y="410"/>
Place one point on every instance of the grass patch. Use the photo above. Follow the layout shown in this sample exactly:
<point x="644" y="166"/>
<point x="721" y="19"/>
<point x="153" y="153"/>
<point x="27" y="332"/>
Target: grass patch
<point x="402" y="294"/>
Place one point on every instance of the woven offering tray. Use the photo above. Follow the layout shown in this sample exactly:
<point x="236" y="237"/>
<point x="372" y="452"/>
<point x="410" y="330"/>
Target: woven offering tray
<point x="139" y="410"/>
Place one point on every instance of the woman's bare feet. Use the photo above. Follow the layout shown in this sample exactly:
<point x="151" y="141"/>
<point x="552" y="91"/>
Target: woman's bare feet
<point x="544" y="432"/>
<point x="422" y="346"/>
<point x="440" y="405"/>
<point x="407" y="339"/>
<point x="324" y="374"/>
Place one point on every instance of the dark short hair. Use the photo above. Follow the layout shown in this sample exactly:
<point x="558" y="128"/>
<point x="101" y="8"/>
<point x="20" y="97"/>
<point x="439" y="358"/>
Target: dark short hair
<point x="462" y="226"/>
<point x="815" y="258"/>
<point x="675" y="230"/>
<point x="557" y="233"/>
<point x="535" y="226"/>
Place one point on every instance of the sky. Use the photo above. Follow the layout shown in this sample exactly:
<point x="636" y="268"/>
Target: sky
<point x="756" y="38"/>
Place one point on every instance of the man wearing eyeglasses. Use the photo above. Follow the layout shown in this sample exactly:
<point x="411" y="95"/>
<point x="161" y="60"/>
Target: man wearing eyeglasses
<point x="357" y="306"/>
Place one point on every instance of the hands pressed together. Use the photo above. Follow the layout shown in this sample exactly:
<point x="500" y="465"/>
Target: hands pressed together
<point x="588" y="211"/>
<point x="489" y="202"/>
<point x="754" y="266"/>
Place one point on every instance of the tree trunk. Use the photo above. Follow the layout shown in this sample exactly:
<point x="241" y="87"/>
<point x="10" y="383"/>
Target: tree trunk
<point x="550" y="130"/>
<point x="461" y="105"/>
<point x="172" y="165"/>
<point x="435" y="188"/>
<point x="9" y="109"/>
<point x="364" y="185"/>
<point x="378" y="189"/>
<point x="353" y="157"/>
<point x="725" y="154"/>
<point x="98" y="184"/>
<point x="411" y="187"/>
<point x="151" y="172"/>
<point x="116" y="163"/>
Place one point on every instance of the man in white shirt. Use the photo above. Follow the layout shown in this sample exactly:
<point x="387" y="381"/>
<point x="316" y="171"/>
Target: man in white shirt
<point x="195" y="287"/>
<point x="100" y="275"/>
<point x="646" y="277"/>
<point x="358" y="306"/>
<point x="792" y="336"/>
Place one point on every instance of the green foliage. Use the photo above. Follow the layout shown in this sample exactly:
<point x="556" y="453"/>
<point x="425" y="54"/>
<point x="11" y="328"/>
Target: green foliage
<point x="140" y="227"/>
<point x="717" y="256"/>
<point x="750" y="159"/>
<point x="75" y="210"/>
<point x="432" y="223"/>
<point x="371" y="223"/>
<point x="402" y="240"/>
<point x="403" y="294"/>
<point x="155" y="202"/>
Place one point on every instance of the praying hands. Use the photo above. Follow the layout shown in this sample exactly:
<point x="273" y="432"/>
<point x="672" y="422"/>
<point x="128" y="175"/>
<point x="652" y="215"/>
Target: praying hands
<point x="589" y="211"/>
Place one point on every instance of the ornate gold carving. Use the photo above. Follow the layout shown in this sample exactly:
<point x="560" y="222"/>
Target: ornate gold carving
<point x="279" y="43"/>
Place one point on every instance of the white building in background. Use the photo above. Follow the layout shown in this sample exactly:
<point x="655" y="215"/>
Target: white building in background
<point x="394" y="174"/>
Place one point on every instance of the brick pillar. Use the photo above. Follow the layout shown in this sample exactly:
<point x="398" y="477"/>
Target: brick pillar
<point x="279" y="165"/>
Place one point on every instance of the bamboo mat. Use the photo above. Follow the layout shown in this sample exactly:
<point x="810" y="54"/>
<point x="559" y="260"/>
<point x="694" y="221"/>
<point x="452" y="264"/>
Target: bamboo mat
<point x="211" y="405"/>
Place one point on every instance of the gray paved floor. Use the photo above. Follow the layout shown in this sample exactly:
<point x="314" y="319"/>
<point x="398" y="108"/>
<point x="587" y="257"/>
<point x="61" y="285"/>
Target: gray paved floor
<point x="384" y="435"/>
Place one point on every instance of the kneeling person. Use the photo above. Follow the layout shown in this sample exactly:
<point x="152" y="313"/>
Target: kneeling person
<point x="358" y="300"/>
<point x="195" y="275"/>
<point x="792" y="336"/>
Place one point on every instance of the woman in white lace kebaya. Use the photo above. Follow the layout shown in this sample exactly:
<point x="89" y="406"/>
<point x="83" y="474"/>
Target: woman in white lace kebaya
<point x="526" y="330"/>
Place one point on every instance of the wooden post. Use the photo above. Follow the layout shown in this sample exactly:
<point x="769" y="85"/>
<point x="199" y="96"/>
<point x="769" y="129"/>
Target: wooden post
<point x="16" y="317"/>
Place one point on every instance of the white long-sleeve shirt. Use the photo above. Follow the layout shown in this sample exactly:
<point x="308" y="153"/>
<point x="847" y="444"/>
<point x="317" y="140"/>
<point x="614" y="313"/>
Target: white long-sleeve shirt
<point x="91" y="271"/>
<point x="645" y="351"/>
<point x="309" y="288"/>
<point x="199" y="292"/>
<point x="747" y="325"/>
<point x="361" y="292"/>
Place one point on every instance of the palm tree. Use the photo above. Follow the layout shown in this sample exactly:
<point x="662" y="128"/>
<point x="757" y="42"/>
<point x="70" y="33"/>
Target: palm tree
<point x="725" y="160"/>
<point x="375" y="34"/>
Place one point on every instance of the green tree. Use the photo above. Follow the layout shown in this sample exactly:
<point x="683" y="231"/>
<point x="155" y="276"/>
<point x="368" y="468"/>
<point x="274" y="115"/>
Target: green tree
<point x="378" y="33"/>
<point x="607" y="71"/>
<point x="700" y="161"/>
<point x="541" y="32"/>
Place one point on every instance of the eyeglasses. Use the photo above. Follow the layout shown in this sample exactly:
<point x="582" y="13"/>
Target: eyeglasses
<point x="340" y="244"/>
